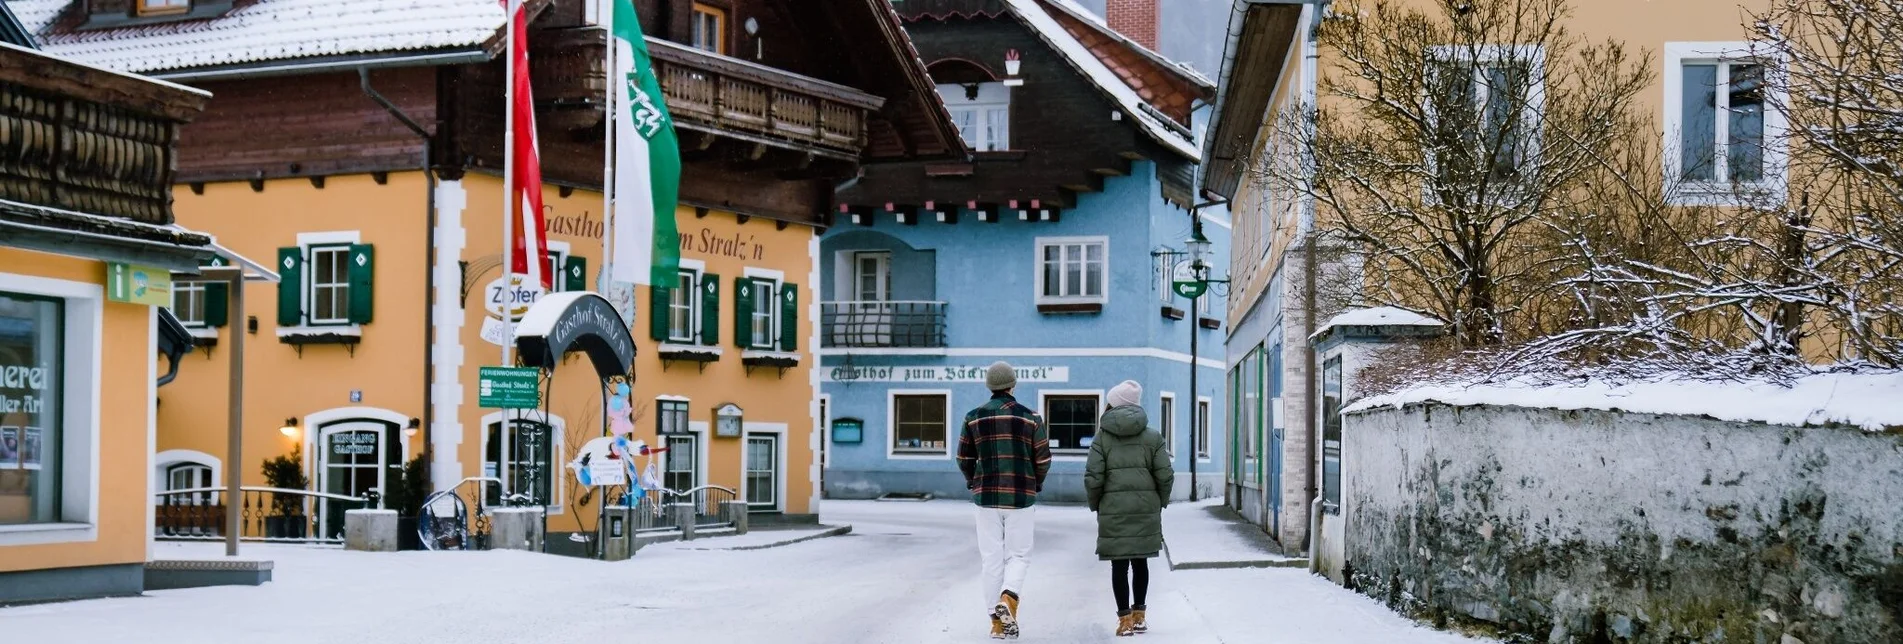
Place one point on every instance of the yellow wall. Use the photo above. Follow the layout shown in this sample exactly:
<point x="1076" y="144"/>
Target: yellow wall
<point x="281" y="382"/>
<point x="126" y="367"/>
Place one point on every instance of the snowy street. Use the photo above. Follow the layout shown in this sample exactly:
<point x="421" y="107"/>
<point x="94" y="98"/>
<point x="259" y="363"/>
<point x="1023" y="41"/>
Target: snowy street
<point x="906" y="573"/>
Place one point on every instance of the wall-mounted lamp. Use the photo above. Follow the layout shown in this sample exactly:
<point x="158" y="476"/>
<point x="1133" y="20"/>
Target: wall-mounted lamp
<point x="1012" y="61"/>
<point x="290" y="428"/>
<point x="413" y="427"/>
<point x="753" y="29"/>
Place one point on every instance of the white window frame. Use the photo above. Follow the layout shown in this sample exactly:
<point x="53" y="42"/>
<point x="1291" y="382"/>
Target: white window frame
<point x="1037" y="283"/>
<point x="993" y="101"/>
<point x="311" y="285"/>
<point x="776" y="279"/>
<point x="700" y="448"/>
<point x="557" y="447"/>
<point x="1772" y="189"/>
<point x="892" y="450"/>
<point x="163" y="7"/>
<point x="779" y="433"/>
<point x="1535" y="113"/>
<point x="1166" y="420"/>
<point x="189" y="289"/>
<point x="558" y="262"/>
<point x="1205" y="406"/>
<point x="162" y="463"/>
<point x="1075" y="452"/>
<point x="83" y="347"/>
<point x="305" y="241"/>
<point x="690" y="286"/>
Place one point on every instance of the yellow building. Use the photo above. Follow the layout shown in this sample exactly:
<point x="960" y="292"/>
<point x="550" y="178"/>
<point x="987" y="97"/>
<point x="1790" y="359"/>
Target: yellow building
<point x="368" y="178"/>
<point x="86" y="249"/>
<point x="1284" y="474"/>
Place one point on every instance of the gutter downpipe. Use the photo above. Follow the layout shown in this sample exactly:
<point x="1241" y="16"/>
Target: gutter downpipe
<point x="1311" y="415"/>
<point x="429" y="260"/>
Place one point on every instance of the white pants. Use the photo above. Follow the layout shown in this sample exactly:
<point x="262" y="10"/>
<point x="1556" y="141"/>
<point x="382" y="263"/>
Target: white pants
<point x="1004" y="547"/>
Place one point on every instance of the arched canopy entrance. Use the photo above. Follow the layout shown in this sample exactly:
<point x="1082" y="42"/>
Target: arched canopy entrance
<point x="576" y="321"/>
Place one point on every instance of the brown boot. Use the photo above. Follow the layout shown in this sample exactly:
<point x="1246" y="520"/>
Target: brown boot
<point x="1006" y="614"/>
<point x="997" y="628"/>
<point x="1137" y="621"/>
<point x="1125" y="625"/>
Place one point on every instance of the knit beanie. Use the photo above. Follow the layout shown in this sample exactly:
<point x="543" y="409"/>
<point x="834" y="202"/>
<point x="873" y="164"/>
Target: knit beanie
<point x="1126" y="393"/>
<point x="1000" y="376"/>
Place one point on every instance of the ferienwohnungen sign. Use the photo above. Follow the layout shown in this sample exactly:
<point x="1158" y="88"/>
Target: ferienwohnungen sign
<point x="941" y="374"/>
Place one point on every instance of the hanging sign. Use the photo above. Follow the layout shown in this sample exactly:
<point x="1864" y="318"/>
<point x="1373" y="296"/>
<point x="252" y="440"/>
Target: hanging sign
<point x="137" y="284"/>
<point x="516" y="296"/>
<point x="1185" y="281"/>
<point x="607" y="471"/>
<point x="508" y="388"/>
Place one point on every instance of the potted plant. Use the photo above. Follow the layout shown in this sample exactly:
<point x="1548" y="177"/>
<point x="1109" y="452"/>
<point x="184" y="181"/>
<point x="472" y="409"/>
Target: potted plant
<point x="287" y="519"/>
<point x="406" y="497"/>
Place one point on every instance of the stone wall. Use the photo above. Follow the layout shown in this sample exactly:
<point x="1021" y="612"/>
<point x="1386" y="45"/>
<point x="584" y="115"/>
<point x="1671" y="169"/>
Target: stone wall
<point x="1590" y="526"/>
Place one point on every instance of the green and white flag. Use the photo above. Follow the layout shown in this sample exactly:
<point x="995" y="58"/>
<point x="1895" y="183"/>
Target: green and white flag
<point x="646" y="173"/>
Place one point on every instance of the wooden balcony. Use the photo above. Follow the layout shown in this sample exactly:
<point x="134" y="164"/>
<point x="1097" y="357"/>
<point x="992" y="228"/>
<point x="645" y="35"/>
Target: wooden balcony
<point x="710" y="97"/>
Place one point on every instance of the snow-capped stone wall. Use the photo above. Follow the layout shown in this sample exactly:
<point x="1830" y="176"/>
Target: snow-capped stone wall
<point x="1592" y="525"/>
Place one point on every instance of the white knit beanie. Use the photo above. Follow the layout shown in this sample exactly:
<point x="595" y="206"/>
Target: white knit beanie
<point x="1126" y="393"/>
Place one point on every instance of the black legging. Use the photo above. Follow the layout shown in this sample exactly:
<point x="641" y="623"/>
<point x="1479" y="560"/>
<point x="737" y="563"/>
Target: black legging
<point x="1123" y="573"/>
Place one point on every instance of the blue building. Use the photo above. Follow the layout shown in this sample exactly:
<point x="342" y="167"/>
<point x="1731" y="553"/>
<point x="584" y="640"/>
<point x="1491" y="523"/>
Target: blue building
<point x="1052" y="248"/>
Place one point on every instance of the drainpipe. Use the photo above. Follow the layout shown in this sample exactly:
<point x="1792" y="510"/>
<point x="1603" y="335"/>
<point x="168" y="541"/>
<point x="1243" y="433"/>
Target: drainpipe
<point x="1311" y="412"/>
<point x="429" y="262"/>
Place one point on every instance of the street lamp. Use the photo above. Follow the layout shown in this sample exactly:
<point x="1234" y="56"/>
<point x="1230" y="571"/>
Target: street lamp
<point x="1193" y="286"/>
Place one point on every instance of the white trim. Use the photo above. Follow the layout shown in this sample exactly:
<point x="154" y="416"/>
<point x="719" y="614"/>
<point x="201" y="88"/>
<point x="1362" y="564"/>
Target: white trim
<point x="706" y="433"/>
<point x="693" y="264"/>
<point x="892" y="426"/>
<point x="83" y="351"/>
<point x="1206" y="400"/>
<point x="166" y="459"/>
<point x="1076" y="452"/>
<point x="203" y="332"/>
<point x="779" y="430"/>
<point x="152" y="427"/>
<point x="1037" y="265"/>
<point x="676" y="347"/>
<point x="674" y="398"/>
<point x="696" y="312"/>
<point x="447" y="390"/>
<point x="1167" y="421"/>
<point x="1534" y="113"/>
<point x="557" y="447"/>
<point x="347" y="330"/>
<point x="762" y="353"/>
<point x="1772" y="188"/>
<point x="317" y="419"/>
<point x="330" y="238"/>
<point x="763" y="273"/>
<point x="821" y="424"/>
<point x="1029" y="352"/>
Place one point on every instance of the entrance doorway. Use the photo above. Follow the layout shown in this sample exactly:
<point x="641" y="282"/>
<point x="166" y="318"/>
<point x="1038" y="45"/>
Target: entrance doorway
<point x="763" y="472"/>
<point x="354" y="458"/>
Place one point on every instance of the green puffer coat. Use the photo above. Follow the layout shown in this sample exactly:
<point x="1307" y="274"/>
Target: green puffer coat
<point x="1128" y="481"/>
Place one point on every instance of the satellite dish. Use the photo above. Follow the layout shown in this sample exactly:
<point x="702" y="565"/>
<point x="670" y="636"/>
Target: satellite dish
<point x="753" y="26"/>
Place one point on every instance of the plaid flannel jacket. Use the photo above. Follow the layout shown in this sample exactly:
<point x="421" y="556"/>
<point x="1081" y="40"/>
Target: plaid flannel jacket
<point x="1005" y="454"/>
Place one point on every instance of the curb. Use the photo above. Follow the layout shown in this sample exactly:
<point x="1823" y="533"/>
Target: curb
<point x="834" y="532"/>
<point x="1231" y="565"/>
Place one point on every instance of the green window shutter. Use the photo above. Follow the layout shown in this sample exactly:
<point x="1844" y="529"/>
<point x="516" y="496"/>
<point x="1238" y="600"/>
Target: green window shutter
<point x="710" y="309"/>
<point x="657" y="315"/>
<point x="363" y="265"/>
<point x="743" y="312"/>
<point x="217" y="304"/>
<point x="789" y="317"/>
<point x="290" y="286"/>
<point x="574" y="274"/>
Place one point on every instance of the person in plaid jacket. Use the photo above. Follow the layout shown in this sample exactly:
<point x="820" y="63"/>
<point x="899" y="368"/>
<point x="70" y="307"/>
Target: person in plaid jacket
<point x="1005" y="454"/>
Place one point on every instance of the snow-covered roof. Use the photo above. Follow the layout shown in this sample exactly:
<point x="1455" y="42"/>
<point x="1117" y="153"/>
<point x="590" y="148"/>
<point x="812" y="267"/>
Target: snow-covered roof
<point x="1870" y="400"/>
<point x="1106" y="81"/>
<point x="269" y="30"/>
<point x="1377" y="316"/>
<point x="1071" y="7"/>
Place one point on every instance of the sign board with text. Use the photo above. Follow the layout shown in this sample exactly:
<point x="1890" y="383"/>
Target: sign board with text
<point x="137" y="284"/>
<point x="508" y="387"/>
<point x="974" y="373"/>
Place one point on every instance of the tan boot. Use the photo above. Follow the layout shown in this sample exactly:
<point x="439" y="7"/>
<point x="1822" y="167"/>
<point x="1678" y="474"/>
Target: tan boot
<point x="997" y="628"/>
<point x="1006" y="614"/>
<point x="1126" y="625"/>
<point x="1137" y="621"/>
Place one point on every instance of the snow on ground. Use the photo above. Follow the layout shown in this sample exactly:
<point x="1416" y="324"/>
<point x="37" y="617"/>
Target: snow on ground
<point x="752" y="539"/>
<point x="1202" y="534"/>
<point x="906" y="574"/>
<point x="1868" y="400"/>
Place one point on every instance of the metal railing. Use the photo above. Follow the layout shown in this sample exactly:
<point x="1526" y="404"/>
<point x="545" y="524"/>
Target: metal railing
<point x="446" y="522"/>
<point x="903" y="324"/>
<point x="265" y="514"/>
<point x="660" y="511"/>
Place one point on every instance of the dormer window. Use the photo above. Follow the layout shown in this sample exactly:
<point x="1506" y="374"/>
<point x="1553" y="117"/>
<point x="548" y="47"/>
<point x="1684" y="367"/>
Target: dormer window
<point x="163" y="7"/>
<point x="710" y="29"/>
<point x="982" y="112"/>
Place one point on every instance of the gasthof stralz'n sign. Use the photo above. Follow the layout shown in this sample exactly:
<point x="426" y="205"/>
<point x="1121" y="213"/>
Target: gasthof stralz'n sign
<point x="943" y="374"/>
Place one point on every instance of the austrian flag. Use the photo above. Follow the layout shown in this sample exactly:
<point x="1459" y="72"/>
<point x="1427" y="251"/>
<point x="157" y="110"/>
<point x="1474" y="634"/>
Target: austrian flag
<point x="525" y="204"/>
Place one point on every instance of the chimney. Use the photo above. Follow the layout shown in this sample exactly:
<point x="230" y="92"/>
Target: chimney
<point x="1135" y="19"/>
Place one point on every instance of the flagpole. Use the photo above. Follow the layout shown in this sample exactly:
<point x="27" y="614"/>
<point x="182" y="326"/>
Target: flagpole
<point x="608" y="148"/>
<point x="508" y="190"/>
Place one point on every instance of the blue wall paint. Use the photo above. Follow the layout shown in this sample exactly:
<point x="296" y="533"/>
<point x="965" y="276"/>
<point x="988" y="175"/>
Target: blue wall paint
<point x="987" y="273"/>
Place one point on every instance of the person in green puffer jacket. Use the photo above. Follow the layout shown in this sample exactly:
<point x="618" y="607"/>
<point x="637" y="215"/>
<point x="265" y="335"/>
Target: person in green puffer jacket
<point x="1128" y="480"/>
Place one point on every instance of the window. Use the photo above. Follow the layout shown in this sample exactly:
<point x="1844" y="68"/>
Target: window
<point x="1166" y="279"/>
<point x="1251" y="425"/>
<point x="710" y="29"/>
<point x="982" y="112"/>
<point x="1072" y="420"/>
<point x="671" y="416"/>
<point x="188" y="303"/>
<point x="683" y="463"/>
<point x="330" y="285"/>
<point x="1166" y="422"/>
<point x="763" y="465"/>
<point x="1720" y="130"/>
<point x="522" y="459"/>
<point x="32" y="341"/>
<point x="1485" y="109"/>
<point x="919" y="423"/>
<point x="1202" y="428"/>
<point x="1072" y="270"/>
<point x="163" y="7"/>
<point x="761" y="314"/>
<point x="683" y="309"/>
<point x="1331" y="436"/>
<point x="187" y="476"/>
